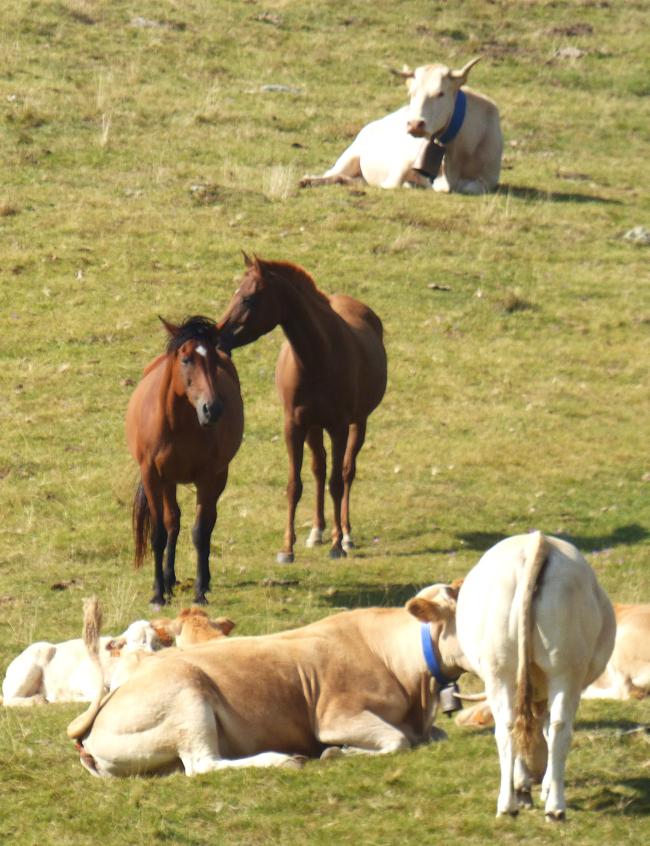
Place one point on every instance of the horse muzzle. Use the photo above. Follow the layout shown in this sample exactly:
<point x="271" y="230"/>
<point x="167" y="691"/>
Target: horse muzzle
<point x="209" y="413"/>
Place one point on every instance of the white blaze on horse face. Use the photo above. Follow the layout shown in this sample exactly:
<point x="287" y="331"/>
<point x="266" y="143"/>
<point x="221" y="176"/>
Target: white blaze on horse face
<point x="201" y="350"/>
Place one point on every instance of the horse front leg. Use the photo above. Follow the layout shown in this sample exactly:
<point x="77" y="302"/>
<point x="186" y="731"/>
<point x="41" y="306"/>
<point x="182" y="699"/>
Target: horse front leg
<point x="319" y="469"/>
<point x="339" y="444"/>
<point x="356" y="437"/>
<point x="206" y="517"/>
<point x="172" y="517"/>
<point x="295" y="440"/>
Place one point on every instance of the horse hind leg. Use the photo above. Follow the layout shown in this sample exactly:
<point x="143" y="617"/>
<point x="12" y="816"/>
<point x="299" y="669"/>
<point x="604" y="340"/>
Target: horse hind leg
<point x="356" y="437"/>
<point x="172" y="524"/>
<point x="319" y="469"/>
<point x="206" y="517"/>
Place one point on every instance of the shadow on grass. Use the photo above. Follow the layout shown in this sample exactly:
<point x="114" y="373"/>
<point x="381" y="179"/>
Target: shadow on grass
<point x="368" y="596"/>
<point x="621" y="536"/>
<point x="629" y="806"/>
<point x="522" y="193"/>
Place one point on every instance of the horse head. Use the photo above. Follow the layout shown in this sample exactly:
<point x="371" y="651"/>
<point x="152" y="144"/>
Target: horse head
<point x="253" y="311"/>
<point x="193" y="345"/>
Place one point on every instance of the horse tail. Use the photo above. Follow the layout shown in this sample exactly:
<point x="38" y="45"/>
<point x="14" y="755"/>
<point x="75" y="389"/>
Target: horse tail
<point x="93" y="618"/>
<point x="537" y="551"/>
<point x="141" y="522"/>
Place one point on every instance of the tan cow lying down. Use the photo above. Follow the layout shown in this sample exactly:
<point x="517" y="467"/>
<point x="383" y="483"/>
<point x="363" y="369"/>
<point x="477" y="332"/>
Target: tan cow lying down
<point x="358" y="679"/>
<point x="62" y="672"/>
<point x="389" y="151"/>
<point x="535" y="625"/>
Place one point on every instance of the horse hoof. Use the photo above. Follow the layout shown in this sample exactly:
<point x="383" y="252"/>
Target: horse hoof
<point x="347" y="543"/>
<point x="284" y="558"/>
<point x="337" y="552"/>
<point x="200" y="600"/>
<point x="157" y="603"/>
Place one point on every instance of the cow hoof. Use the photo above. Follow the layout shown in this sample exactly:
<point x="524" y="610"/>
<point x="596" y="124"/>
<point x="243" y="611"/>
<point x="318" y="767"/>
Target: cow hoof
<point x="284" y="558"/>
<point x="296" y="762"/>
<point x="525" y="799"/>
<point x="337" y="552"/>
<point x="555" y="816"/>
<point x="508" y="813"/>
<point x="331" y="752"/>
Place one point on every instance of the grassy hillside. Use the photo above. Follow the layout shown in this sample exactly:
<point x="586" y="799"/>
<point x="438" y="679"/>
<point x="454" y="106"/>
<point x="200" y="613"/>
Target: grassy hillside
<point x="139" y="154"/>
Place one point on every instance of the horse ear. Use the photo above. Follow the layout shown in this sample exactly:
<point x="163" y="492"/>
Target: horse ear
<point x="247" y="261"/>
<point x="171" y="328"/>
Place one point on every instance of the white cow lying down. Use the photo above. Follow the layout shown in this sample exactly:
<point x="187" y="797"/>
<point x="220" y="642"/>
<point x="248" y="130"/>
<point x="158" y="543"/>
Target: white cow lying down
<point x="535" y="625"/>
<point x="358" y="679"/>
<point x="388" y="151"/>
<point x="62" y="672"/>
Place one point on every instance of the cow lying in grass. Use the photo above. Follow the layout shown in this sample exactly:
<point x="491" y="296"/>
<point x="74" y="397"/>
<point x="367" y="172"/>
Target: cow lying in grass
<point x="358" y="680"/>
<point x="458" y="122"/>
<point x="63" y="672"/>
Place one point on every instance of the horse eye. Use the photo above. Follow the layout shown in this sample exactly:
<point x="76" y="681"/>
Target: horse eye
<point x="186" y="361"/>
<point x="247" y="300"/>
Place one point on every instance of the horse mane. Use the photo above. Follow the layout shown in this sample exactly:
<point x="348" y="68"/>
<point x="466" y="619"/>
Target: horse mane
<point x="294" y="275"/>
<point x="196" y="328"/>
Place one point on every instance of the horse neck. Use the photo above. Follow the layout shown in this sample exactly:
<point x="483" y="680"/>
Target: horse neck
<point x="172" y="393"/>
<point x="309" y="324"/>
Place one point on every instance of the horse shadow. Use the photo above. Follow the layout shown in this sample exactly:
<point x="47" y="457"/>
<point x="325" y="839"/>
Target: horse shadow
<point x="524" y="193"/>
<point x="620" y="536"/>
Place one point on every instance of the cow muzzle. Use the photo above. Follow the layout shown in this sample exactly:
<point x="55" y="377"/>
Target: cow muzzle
<point x="417" y="128"/>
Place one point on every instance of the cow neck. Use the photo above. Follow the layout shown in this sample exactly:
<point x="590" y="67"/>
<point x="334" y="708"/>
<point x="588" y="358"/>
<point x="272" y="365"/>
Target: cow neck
<point x="433" y="660"/>
<point x="452" y="128"/>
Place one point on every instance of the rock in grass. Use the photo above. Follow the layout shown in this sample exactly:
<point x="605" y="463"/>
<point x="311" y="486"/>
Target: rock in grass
<point x="639" y="235"/>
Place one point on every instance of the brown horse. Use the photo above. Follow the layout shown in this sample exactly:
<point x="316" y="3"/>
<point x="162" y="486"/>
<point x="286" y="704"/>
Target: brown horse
<point x="184" y="425"/>
<point x="331" y="373"/>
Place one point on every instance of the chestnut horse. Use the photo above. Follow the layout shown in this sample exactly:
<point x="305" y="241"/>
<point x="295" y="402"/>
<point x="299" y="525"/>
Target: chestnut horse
<point x="184" y="425"/>
<point x="331" y="373"/>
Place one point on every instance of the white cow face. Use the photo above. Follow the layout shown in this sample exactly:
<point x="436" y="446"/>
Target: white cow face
<point x="433" y="90"/>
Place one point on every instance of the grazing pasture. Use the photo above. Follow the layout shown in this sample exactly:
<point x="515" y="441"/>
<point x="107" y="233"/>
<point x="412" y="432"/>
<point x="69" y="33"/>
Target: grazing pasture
<point x="142" y="147"/>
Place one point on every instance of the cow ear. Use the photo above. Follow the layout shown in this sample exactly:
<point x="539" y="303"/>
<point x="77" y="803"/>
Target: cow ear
<point x="425" y="611"/>
<point x="116" y="644"/>
<point x="454" y="588"/>
<point x="460" y="76"/>
<point x="223" y="624"/>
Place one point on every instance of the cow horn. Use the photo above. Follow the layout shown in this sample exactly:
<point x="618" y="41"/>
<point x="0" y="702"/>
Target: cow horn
<point x="405" y="73"/>
<point x="473" y="697"/>
<point x="462" y="74"/>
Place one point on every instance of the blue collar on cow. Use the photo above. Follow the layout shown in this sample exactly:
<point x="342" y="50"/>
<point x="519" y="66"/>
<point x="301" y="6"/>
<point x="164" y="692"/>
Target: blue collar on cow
<point x="430" y="658"/>
<point x="454" y="125"/>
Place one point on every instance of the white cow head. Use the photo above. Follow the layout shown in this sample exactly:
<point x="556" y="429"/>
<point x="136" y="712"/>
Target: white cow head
<point x="433" y="90"/>
<point x="139" y="636"/>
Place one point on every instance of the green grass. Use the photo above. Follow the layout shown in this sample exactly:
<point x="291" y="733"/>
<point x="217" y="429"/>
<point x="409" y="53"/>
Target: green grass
<point x="518" y="399"/>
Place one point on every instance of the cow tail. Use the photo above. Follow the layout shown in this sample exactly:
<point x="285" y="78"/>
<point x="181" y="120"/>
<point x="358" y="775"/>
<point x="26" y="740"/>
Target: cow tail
<point x="93" y="618"/>
<point x="537" y="551"/>
<point x="141" y="522"/>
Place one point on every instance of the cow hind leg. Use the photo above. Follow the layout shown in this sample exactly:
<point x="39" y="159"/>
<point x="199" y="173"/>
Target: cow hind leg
<point x="563" y="706"/>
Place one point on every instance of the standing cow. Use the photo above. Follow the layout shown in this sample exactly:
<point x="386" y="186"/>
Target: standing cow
<point x="536" y="626"/>
<point x="456" y="121"/>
